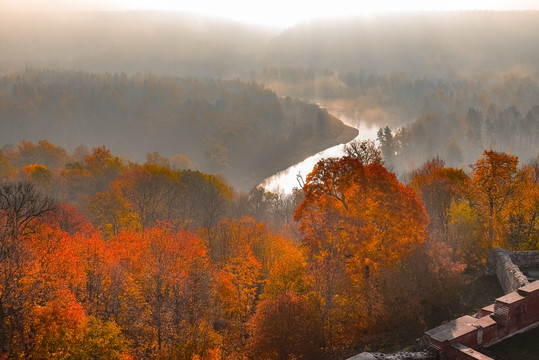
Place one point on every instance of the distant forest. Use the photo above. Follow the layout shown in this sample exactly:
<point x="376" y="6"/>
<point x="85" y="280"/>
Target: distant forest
<point x="240" y="130"/>
<point x="452" y="118"/>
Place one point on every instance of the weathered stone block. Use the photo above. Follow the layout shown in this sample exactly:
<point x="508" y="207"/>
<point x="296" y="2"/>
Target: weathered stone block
<point x="363" y="356"/>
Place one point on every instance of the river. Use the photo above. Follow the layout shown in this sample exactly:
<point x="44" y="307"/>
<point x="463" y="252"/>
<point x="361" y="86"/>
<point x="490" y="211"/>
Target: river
<point x="285" y="181"/>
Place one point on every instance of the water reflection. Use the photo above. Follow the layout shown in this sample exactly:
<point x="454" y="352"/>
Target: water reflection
<point x="286" y="180"/>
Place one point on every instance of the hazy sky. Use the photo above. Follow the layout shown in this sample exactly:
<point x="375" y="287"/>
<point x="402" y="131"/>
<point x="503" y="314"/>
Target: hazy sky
<point x="273" y="12"/>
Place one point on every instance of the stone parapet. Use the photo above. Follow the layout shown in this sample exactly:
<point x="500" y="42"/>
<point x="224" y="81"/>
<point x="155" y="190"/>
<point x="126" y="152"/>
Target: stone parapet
<point x="506" y="265"/>
<point x="403" y="355"/>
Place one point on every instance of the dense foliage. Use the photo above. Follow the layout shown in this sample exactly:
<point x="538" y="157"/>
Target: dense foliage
<point x="101" y="259"/>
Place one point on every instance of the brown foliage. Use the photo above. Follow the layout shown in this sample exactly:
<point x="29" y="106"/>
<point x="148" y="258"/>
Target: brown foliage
<point x="286" y="327"/>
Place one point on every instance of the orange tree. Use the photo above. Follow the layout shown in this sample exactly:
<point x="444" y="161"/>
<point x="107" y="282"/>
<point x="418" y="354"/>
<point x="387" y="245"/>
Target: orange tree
<point x="157" y="287"/>
<point x="355" y="220"/>
<point x="21" y="211"/>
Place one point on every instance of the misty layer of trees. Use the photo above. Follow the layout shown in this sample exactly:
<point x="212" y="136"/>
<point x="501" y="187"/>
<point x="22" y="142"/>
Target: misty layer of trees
<point x="397" y="98"/>
<point x="103" y="259"/>
<point x="458" y="139"/>
<point x="247" y="133"/>
<point x="241" y="130"/>
<point x="433" y="69"/>
<point x="452" y="118"/>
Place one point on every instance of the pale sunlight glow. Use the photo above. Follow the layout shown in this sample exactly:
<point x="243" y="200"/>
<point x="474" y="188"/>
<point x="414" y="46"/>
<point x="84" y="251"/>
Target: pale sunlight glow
<point x="281" y="13"/>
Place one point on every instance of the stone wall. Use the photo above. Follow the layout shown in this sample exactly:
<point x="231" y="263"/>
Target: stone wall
<point x="505" y="264"/>
<point x="524" y="259"/>
<point x="404" y="355"/>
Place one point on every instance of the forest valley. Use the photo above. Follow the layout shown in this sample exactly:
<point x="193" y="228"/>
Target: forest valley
<point x="242" y="130"/>
<point x="160" y="245"/>
<point x="106" y="259"/>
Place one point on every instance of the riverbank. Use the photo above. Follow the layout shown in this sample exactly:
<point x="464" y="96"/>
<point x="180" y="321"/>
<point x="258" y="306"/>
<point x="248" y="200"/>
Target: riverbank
<point x="285" y="181"/>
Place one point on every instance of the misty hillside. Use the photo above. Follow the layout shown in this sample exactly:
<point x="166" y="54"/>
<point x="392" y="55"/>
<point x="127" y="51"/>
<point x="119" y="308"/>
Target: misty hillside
<point x="242" y="131"/>
<point x="173" y="43"/>
<point x="176" y="43"/>
<point x="441" y="44"/>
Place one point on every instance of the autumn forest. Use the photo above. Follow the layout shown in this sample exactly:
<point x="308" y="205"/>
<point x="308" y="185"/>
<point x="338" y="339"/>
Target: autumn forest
<point x="133" y="226"/>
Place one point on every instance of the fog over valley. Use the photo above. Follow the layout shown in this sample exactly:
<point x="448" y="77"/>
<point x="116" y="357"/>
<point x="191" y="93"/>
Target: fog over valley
<point x="463" y="44"/>
<point x="417" y="72"/>
<point x="221" y="180"/>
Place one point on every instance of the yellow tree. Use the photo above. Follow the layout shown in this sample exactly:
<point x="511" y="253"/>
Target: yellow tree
<point x="8" y="171"/>
<point x="38" y="174"/>
<point x="445" y="193"/>
<point x="44" y="152"/>
<point x="524" y="218"/>
<point x="230" y="235"/>
<point x="438" y="187"/>
<point x="103" y="167"/>
<point x="112" y="213"/>
<point x="498" y="187"/>
<point x="204" y="199"/>
<point x="152" y="191"/>
<point x="82" y="180"/>
<point x="288" y="274"/>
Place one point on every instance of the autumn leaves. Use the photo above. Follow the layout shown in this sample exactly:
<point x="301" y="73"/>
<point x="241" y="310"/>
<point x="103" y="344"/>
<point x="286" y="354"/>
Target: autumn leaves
<point x="357" y="222"/>
<point x="173" y="264"/>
